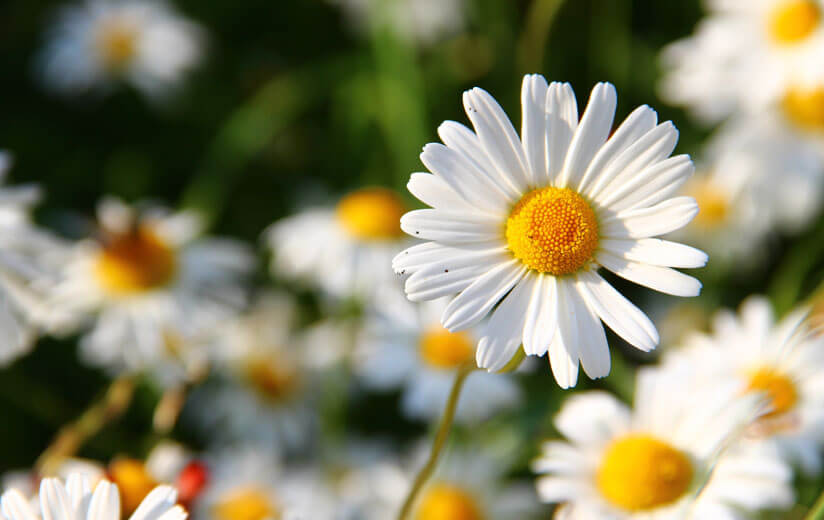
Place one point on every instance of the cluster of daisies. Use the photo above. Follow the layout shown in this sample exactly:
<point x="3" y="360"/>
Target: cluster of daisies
<point x="511" y="266"/>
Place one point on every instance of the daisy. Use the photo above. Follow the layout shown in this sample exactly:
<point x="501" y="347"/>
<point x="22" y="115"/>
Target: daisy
<point x="653" y="461"/>
<point x="265" y="392"/>
<point x="774" y="44"/>
<point x="252" y="484"/>
<point x="360" y="235"/>
<point x="525" y="223"/>
<point x="151" y="287"/>
<point x="95" y="43"/>
<point x="75" y="500"/>
<point x="423" y="22"/>
<point x="406" y="346"/>
<point x="782" y="360"/>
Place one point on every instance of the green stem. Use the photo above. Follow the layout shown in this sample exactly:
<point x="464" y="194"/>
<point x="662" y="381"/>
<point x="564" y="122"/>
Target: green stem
<point x="440" y="440"/>
<point x="817" y="511"/>
<point x="533" y="40"/>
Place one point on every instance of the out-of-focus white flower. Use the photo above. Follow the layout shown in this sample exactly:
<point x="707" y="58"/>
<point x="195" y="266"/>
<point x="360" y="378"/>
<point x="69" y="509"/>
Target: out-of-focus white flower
<point x="252" y="483"/>
<point x="346" y="251"/>
<point x="98" y="42"/>
<point x="152" y="288"/>
<point x="520" y="226"/>
<point x="75" y="500"/>
<point x="423" y="22"/>
<point x="653" y="461"/>
<point x="783" y="361"/>
<point x="746" y="56"/>
<point x="267" y="389"/>
<point x="405" y="345"/>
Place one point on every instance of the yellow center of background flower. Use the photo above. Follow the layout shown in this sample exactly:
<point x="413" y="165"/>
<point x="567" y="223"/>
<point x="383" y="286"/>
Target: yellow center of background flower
<point x="713" y="204"/>
<point x="447" y="502"/>
<point x="246" y="504"/>
<point x="135" y="262"/>
<point x="793" y="21"/>
<point x="443" y="349"/>
<point x="372" y="214"/>
<point x="133" y="481"/>
<point x="116" y="43"/>
<point x="274" y="381"/>
<point x="640" y="472"/>
<point x="779" y="389"/>
<point x="552" y="230"/>
<point x="805" y="108"/>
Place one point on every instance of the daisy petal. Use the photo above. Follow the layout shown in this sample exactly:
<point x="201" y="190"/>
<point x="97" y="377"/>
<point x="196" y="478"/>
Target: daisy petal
<point x="655" y="220"/>
<point x="475" y="301"/>
<point x="435" y="192"/>
<point x="105" y="502"/>
<point x="624" y="318"/>
<point x="661" y="279"/>
<point x="461" y="174"/>
<point x="592" y="342"/>
<point x="656" y="183"/>
<point x="433" y="282"/>
<point x="592" y="418"/>
<point x="563" y="351"/>
<point x="450" y="226"/>
<point x="541" y="317"/>
<point x="54" y="500"/>
<point x="561" y="122"/>
<point x="157" y="502"/>
<point x="497" y="135"/>
<point x="533" y="126"/>
<point x="591" y="134"/>
<point x="655" y="251"/>
<point x="501" y="336"/>
<point x="421" y="255"/>
<point x="15" y="506"/>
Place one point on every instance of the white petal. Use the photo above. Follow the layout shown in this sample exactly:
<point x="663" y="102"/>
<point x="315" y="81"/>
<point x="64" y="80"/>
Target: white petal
<point x="563" y="351"/>
<point x="449" y="276"/>
<point x="434" y="192"/>
<point x="54" y="500"/>
<point x="421" y="255"/>
<point x="591" y="134"/>
<point x="542" y="316"/>
<point x="655" y="220"/>
<point x="655" y="251"/>
<point x="15" y="506"/>
<point x="105" y="502"/>
<point x="458" y="137"/>
<point x="639" y="122"/>
<point x="497" y="136"/>
<point x="462" y="175"/>
<point x="592" y="342"/>
<point x="592" y="417"/>
<point x="501" y="336"/>
<point x="561" y="122"/>
<point x="158" y="501"/>
<point x="533" y="126"/>
<point x="624" y="318"/>
<point x="661" y="279"/>
<point x="175" y="513"/>
<point x="450" y="226"/>
<point x="656" y="145"/>
<point x="477" y="300"/>
<point x="656" y="183"/>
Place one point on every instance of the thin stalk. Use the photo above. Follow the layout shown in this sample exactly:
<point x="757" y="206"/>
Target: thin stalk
<point x="817" y="511"/>
<point x="440" y="440"/>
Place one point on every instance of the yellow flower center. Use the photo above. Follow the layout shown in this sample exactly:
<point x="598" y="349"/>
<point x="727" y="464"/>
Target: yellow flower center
<point x="443" y="349"/>
<point x="713" y="204"/>
<point x="447" y="502"/>
<point x="805" y="108"/>
<point x="552" y="230"/>
<point x="133" y="481"/>
<point x="639" y="473"/>
<point x="273" y="381"/>
<point x="779" y="389"/>
<point x="116" y="42"/>
<point x="371" y="214"/>
<point x="135" y="262"/>
<point x="793" y="20"/>
<point x="246" y="504"/>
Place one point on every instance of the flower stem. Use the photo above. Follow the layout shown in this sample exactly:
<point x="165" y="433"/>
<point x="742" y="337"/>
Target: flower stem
<point x="441" y="435"/>
<point x="817" y="510"/>
<point x="72" y="436"/>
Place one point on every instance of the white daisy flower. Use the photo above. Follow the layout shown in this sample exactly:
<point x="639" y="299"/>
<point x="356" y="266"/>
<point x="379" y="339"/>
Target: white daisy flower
<point x="267" y="390"/>
<point x="406" y="346"/>
<point x="75" y="500"/>
<point x="152" y="287"/>
<point x="653" y="461"/>
<point x="98" y="42"/>
<point x="251" y="483"/>
<point x="525" y="223"/>
<point x="775" y="45"/>
<point x="782" y="360"/>
<point x="423" y="22"/>
<point x="361" y="235"/>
